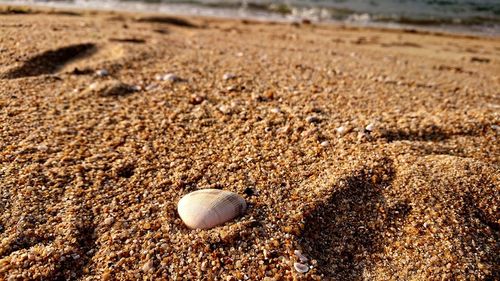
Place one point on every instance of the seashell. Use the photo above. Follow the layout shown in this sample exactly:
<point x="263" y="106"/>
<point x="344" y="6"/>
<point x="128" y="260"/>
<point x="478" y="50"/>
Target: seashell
<point x="228" y="76"/>
<point x="207" y="208"/>
<point x="300" y="267"/>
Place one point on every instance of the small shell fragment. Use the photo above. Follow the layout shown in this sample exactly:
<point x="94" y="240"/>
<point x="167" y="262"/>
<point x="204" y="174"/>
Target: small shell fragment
<point x="300" y="256"/>
<point x="170" y="77"/>
<point x="228" y="76"/>
<point x="300" y="267"/>
<point x="207" y="208"/>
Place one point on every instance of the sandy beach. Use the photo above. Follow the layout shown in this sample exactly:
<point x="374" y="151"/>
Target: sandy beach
<point x="374" y="153"/>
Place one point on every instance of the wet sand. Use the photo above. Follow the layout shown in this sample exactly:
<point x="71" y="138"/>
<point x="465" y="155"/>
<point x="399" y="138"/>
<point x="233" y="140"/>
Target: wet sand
<point x="373" y="152"/>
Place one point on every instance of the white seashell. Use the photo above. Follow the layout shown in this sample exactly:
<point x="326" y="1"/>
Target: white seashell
<point x="170" y="77"/>
<point x="300" y="267"/>
<point x="370" y="127"/>
<point x="325" y="143"/>
<point x="275" y="110"/>
<point x="228" y="76"/>
<point x="207" y="208"/>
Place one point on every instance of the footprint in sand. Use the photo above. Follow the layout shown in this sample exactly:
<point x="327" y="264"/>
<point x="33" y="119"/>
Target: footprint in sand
<point x="411" y="218"/>
<point x="50" y="61"/>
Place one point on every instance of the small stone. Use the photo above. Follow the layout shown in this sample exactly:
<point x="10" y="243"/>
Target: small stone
<point x="275" y="110"/>
<point x="196" y="99"/>
<point x="42" y="147"/>
<point x="325" y="143"/>
<point x="341" y="130"/>
<point x="228" y="76"/>
<point x="109" y="221"/>
<point x="224" y="109"/>
<point x="312" y="119"/>
<point x="102" y="72"/>
<point x="370" y="127"/>
<point x="151" y="86"/>
<point x="170" y="77"/>
<point x="300" y="267"/>
<point x="136" y="88"/>
<point x="148" y="266"/>
<point x="112" y="88"/>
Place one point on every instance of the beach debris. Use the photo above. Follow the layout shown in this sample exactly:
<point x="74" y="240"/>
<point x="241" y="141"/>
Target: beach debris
<point x="300" y="256"/>
<point x="300" y="267"/>
<point x="313" y="119"/>
<point x="228" y="76"/>
<point x="207" y="208"/>
<point x="102" y="72"/>
<point x="112" y="88"/>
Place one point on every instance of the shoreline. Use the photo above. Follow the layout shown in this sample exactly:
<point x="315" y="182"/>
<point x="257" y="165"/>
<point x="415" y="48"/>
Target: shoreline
<point x="187" y="11"/>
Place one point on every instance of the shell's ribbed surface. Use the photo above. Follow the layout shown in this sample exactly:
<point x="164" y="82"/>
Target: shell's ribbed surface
<point x="207" y="208"/>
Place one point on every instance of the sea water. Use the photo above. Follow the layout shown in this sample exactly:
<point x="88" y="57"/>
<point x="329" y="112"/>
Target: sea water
<point x="476" y="16"/>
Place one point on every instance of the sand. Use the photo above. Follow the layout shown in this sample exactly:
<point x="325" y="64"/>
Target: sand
<point x="373" y="152"/>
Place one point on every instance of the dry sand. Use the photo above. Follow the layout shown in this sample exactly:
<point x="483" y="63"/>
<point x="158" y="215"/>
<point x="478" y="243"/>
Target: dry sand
<point x="92" y="167"/>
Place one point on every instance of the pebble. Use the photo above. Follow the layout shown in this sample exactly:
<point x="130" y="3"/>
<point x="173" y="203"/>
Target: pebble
<point x="109" y="221"/>
<point x="102" y="72"/>
<point x="112" y="88"/>
<point x="228" y="76"/>
<point x="370" y="127"/>
<point x="300" y="267"/>
<point x="341" y="130"/>
<point x="170" y="77"/>
<point x="275" y="110"/>
<point x="325" y="143"/>
<point x="224" y="109"/>
<point x="313" y="119"/>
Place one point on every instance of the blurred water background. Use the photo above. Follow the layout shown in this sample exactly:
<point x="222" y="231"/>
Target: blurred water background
<point x="472" y="16"/>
